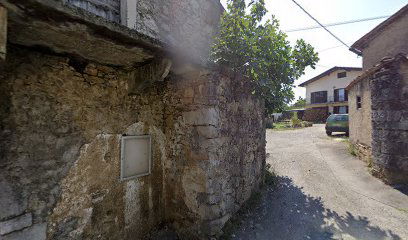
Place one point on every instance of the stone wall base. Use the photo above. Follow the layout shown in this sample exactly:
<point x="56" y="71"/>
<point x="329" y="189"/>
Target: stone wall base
<point x="364" y="153"/>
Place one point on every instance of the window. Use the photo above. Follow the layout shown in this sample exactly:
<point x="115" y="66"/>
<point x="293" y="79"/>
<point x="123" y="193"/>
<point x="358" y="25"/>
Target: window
<point x="319" y="97"/>
<point x="340" y="110"/>
<point x="135" y="157"/>
<point x="358" y="102"/>
<point x="340" y="95"/>
<point x="342" y="75"/>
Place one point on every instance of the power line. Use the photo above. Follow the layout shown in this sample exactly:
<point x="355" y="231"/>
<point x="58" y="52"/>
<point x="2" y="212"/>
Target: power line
<point x="322" y="50"/>
<point x="337" y="23"/>
<point x="338" y="39"/>
<point x="329" y="48"/>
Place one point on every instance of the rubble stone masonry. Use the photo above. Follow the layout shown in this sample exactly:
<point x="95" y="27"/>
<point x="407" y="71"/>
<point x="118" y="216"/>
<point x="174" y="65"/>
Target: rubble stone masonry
<point x="389" y="95"/>
<point x="61" y="122"/>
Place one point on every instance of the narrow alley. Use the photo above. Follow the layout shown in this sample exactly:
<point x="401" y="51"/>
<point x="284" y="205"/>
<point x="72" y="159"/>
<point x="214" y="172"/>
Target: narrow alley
<point x="323" y="192"/>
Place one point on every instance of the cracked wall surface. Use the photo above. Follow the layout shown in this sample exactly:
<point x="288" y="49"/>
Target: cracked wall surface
<point x="60" y="129"/>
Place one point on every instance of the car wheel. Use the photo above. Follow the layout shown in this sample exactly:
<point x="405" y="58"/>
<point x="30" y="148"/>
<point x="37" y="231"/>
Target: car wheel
<point x="347" y="134"/>
<point x="328" y="133"/>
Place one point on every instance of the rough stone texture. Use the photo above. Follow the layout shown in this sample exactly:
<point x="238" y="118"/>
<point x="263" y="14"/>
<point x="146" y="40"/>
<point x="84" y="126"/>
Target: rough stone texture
<point x="316" y="115"/>
<point x="108" y="9"/>
<point x="389" y="96"/>
<point x="223" y="163"/>
<point x="3" y="33"/>
<point x="16" y="224"/>
<point x="360" y="125"/>
<point x="60" y="129"/>
<point x="67" y="30"/>
<point x="364" y="153"/>
<point x="186" y="26"/>
<point x="35" y="232"/>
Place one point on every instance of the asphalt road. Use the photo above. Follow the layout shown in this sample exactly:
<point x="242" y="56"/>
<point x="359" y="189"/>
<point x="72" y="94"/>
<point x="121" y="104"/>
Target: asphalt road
<point x="323" y="193"/>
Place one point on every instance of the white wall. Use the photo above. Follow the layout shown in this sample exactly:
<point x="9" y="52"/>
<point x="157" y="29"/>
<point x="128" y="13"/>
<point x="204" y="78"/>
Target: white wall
<point x="329" y="83"/>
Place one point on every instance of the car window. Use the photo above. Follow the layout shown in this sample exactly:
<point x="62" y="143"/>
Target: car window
<point x="341" y="118"/>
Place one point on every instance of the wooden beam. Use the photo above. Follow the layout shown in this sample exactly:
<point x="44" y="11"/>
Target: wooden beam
<point x="3" y="33"/>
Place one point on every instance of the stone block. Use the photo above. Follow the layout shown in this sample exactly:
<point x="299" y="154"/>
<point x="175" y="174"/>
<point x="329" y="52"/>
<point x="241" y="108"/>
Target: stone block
<point x="208" y="131"/>
<point x="35" y="232"/>
<point x="208" y="116"/>
<point x="10" y="203"/>
<point x="3" y="33"/>
<point x="16" y="224"/>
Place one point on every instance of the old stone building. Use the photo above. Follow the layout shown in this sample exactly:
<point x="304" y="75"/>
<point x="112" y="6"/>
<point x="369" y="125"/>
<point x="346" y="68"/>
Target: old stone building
<point x="79" y="77"/>
<point x="378" y="99"/>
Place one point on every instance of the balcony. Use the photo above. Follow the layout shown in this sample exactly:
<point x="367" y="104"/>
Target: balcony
<point x="331" y="101"/>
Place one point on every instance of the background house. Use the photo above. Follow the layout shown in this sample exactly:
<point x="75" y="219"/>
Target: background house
<point x="326" y="93"/>
<point x="379" y="99"/>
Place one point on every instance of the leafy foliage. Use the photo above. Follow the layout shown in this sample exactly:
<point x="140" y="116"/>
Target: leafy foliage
<point x="300" y="103"/>
<point x="260" y="51"/>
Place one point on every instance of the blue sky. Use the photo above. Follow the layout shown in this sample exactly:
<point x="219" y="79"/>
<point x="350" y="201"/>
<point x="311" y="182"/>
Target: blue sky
<point x="331" y="52"/>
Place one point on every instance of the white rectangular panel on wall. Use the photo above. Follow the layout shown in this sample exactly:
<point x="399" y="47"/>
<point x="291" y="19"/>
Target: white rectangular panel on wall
<point x="135" y="157"/>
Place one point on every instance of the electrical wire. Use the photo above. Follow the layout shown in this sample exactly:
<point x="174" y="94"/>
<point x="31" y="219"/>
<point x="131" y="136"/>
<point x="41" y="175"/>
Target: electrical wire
<point x="338" y="39"/>
<point x="336" y="24"/>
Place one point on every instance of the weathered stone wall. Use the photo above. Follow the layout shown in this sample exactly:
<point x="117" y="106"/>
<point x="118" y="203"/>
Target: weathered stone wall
<point x="316" y="115"/>
<point x="60" y="128"/>
<point x="389" y="90"/>
<point x="61" y="124"/>
<point x="223" y="164"/>
<point x="360" y="126"/>
<point x="186" y="26"/>
<point x="3" y="33"/>
<point x="108" y="9"/>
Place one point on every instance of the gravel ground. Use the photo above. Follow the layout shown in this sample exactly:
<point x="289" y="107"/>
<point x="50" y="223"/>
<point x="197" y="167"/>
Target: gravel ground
<point x="322" y="193"/>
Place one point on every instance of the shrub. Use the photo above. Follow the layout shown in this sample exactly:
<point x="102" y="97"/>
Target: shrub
<point x="295" y="121"/>
<point x="306" y="124"/>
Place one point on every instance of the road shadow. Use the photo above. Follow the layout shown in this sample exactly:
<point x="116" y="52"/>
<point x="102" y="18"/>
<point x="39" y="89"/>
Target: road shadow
<point x="403" y="188"/>
<point x="286" y="212"/>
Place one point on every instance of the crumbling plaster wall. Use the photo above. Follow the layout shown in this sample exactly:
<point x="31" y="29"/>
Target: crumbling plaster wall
<point x="60" y="148"/>
<point x="61" y="123"/>
<point x="389" y="95"/>
<point x="360" y="118"/>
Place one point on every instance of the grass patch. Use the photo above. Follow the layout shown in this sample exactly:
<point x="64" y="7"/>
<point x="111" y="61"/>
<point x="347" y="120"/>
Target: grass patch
<point x="352" y="149"/>
<point x="270" y="180"/>
<point x="270" y="177"/>
<point x="282" y="126"/>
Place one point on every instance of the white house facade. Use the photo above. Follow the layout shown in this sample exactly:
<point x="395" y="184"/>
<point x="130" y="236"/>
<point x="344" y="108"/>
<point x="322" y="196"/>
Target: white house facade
<point x="326" y="93"/>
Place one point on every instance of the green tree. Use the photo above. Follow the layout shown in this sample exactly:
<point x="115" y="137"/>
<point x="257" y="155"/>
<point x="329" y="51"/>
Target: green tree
<point x="261" y="52"/>
<point x="300" y="103"/>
